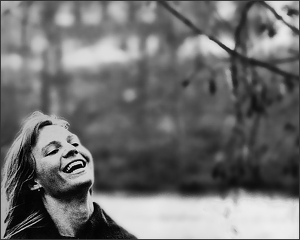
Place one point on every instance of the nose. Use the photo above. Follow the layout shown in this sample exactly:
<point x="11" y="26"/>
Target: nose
<point x="71" y="151"/>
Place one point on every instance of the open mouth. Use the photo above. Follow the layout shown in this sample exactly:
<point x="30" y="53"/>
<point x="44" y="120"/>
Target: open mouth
<point x="74" y="166"/>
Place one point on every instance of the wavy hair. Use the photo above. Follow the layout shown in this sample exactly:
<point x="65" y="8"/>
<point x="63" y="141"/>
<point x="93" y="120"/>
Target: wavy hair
<point x="23" y="208"/>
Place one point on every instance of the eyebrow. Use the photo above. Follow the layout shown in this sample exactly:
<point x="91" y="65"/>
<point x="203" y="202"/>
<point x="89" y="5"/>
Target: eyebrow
<point x="57" y="144"/>
<point x="72" y="137"/>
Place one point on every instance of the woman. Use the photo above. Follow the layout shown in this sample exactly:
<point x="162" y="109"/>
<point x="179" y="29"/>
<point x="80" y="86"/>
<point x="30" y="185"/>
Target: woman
<point x="47" y="182"/>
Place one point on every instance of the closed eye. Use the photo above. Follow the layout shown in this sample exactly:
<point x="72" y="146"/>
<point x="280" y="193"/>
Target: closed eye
<point x="53" y="152"/>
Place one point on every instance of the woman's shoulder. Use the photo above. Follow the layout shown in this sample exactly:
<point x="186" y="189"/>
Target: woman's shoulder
<point x="106" y="227"/>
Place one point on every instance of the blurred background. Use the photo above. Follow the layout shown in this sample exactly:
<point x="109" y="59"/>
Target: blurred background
<point x="188" y="141"/>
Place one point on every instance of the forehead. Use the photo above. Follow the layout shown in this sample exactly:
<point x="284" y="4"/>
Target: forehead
<point x="52" y="132"/>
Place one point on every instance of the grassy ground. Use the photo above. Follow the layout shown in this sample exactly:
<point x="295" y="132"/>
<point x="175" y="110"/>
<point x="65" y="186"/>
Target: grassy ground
<point x="239" y="214"/>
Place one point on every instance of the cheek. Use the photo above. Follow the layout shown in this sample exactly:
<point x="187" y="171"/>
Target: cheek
<point x="46" y="168"/>
<point x="44" y="165"/>
<point x="86" y="154"/>
<point x="48" y="175"/>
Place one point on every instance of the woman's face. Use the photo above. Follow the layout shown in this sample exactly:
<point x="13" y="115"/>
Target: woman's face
<point x="63" y="164"/>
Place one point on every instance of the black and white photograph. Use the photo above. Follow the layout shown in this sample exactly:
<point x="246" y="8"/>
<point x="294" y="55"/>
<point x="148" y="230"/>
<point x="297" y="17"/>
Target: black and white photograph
<point x="149" y="120"/>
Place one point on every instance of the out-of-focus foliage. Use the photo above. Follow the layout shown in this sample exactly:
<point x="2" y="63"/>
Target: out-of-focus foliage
<point x="152" y="101"/>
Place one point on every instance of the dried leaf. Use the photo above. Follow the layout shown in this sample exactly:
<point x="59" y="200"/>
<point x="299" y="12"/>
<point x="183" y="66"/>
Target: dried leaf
<point x="291" y="11"/>
<point x="289" y="84"/>
<point x="212" y="87"/>
<point x="263" y="27"/>
<point x="272" y="32"/>
<point x="185" y="83"/>
<point x="256" y="105"/>
<point x="289" y="127"/>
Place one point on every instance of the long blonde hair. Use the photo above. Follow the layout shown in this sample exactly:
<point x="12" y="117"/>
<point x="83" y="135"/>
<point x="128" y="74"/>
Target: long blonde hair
<point x="22" y="207"/>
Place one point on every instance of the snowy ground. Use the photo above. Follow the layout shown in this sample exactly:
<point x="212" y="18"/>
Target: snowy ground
<point x="238" y="215"/>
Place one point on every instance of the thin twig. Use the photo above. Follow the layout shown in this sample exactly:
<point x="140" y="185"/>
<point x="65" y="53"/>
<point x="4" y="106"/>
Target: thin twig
<point x="293" y="28"/>
<point x="239" y="47"/>
<point x="285" y="60"/>
<point x="251" y="61"/>
<point x="238" y="42"/>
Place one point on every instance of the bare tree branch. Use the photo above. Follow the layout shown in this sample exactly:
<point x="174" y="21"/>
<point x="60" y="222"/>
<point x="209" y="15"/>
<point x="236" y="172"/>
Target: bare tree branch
<point x="242" y="22"/>
<point x="238" y="43"/>
<point x="294" y="29"/>
<point x="252" y="61"/>
<point x="240" y="97"/>
<point x="273" y="60"/>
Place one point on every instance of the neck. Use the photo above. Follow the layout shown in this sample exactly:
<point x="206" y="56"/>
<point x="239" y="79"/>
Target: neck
<point x="69" y="215"/>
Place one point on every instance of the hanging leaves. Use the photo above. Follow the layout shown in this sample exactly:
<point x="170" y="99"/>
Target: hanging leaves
<point x="290" y="11"/>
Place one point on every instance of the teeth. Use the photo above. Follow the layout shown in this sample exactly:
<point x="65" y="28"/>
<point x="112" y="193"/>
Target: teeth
<point x="71" y="165"/>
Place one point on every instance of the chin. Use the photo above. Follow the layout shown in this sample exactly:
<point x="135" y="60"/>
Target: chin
<point x="82" y="183"/>
<point x="82" y="188"/>
<point x="85" y="181"/>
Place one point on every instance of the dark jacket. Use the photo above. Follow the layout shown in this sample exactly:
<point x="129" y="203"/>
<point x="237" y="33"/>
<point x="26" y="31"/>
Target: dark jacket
<point x="99" y="226"/>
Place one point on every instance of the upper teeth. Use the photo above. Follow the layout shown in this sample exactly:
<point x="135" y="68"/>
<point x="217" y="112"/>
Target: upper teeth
<point x="69" y="167"/>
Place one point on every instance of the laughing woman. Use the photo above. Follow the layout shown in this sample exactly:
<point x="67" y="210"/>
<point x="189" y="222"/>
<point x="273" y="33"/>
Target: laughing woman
<point x="47" y="182"/>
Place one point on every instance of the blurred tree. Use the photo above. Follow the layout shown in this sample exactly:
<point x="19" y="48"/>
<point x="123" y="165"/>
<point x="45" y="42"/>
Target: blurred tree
<point x="247" y="86"/>
<point x="161" y="101"/>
